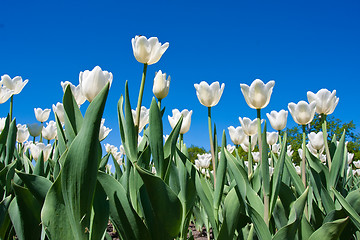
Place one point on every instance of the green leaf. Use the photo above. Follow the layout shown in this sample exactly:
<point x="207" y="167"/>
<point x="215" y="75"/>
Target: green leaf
<point x="10" y="142"/>
<point x="5" y="223"/>
<point x="330" y="230"/>
<point x="99" y="214"/>
<point x="78" y="175"/>
<point x="60" y="136"/>
<point x="337" y="162"/>
<point x="296" y="180"/>
<point x="162" y="199"/>
<point x="265" y="175"/>
<point x="261" y="229"/>
<point x="124" y="218"/>
<point x="39" y="166"/>
<point x="220" y="176"/>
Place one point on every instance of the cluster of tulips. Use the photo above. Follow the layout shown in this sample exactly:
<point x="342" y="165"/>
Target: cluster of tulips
<point x="65" y="189"/>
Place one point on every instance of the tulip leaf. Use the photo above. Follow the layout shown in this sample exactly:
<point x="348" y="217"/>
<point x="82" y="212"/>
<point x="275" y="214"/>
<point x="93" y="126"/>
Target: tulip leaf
<point x="156" y="140"/>
<point x="10" y="142"/>
<point x="265" y="175"/>
<point x="170" y="143"/>
<point x="4" y="134"/>
<point x="60" y="135"/>
<point x="162" y="198"/>
<point x="330" y="230"/>
<point x="39" y="166"/>
<point x="220" y="176"/>
<point x="299" y="186"/>
<point x="125" y="219"/>
<point x="72" y="115"/>
<point x="100" y="214"/>
<point x="5" y="223"/>
<point x="24" y="212"/>
<point x="337" y="162"/>
<point x="37" y="185"/>
<point x="261" y="229"/>
<point x="78" y="175"/>
<point x="103" y="162"/>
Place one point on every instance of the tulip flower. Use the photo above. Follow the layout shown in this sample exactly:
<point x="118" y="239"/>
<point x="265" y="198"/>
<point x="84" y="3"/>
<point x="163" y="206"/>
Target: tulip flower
<point x="148" y="51"/>
<point x="5" y="94"/>
<point x="275" y="148"/>
<point x="237" y="135"/>
<point x="76" y="91"/>
<point x="92" y="82"/>
<point x="203" y="160"/>
<point x="278" y="119"/>
<point x="209" y="95"/>
<point x="230" y="148"/>
<point x="302" y="112"/>
<point x="58" y="109"/>
<point x="350" y="157"/>
<point x="16" y="84"/>
<point x="316" y="140"/>
<point x="161" y="85"/>
<point x="35" y="129"/>
<point x="272" y="137"/>
<point x="256" y="156"/>
<point x="50" y="131"/>
<point x="357" y="164"/>
<point x="22" y="133"/>
<point x="312" y="150"/>
<point x="42" y="115"/>
<point x="104" y="131"/>
<point x="257" y="96"/>
<point x="110" y="148"/>
<point x="144" y="117"/>
<point x="326" y="101"/>
<point x="37" y="148"/>
<point x="245" y="145"/>
<point x="249" y="126"/>
<point x="185" y="125"/>
<point x="2" y="124"/>
<point x="289" y="151"/>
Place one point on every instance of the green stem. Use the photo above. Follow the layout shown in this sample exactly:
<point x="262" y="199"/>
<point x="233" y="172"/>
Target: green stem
<point x="325" y="135"/>
<point x="11" y="106"/>
<point x="279" y="137"/>
<point x="181" y="140"/>
<point x="211" y="145"/>
<point x="141" y="93"/>
<point x="250" y="161"/>
<point x="159" y="104"/>
<point x="303" y="163"/>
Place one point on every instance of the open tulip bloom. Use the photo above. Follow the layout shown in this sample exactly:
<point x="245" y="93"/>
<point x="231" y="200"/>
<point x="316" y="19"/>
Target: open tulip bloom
<point x="76" y="91"/>
<point x="185" y="125"/>
<point x="209" y="95"/>
<point x="257" y="96"/>
<point x="58" y="109"/>
<point x="42" y="115"/>
<point x="249" y="126"/>
<point x="278" y="120"/>
<point x="302" y="112"/>
<point x="237" y="135"/>
<point x="148" y="51"/>
<point x="5" y="94"/>
<point x="326" y="101"/>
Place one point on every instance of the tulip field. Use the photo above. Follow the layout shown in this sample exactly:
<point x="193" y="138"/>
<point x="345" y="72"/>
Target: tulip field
<point x="56" y="182"/>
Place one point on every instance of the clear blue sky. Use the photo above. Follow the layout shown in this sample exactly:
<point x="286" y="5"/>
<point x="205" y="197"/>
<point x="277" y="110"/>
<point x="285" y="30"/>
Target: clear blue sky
<point x="302" y="45"/>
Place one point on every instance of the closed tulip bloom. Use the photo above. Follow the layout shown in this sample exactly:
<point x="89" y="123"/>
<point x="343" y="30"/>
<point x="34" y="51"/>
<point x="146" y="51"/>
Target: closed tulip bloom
<point x="203" y="160"/>
<point x="37" y="148"/>
<point x="257" y="96"/>
<point x="5" y="94"/>
<point x="22" y="133"/>
<point x="237" y="135"/>
<point x="249" y="126"/>
<point x="49" y="132"/>
<point x="256" y="156"/>
<point x="35" y="129"/>
<point x="161" y="85"/>
<point x="245" y="145"/>
<point x="278" y="120"/>
<point x="92" y="82"/>
<point x="144" y="117"/>
<point x="312" y="150"/>
<point x="272" y="137"/>
<point x="275" y="148"/>
<point x="350" y="157"/>
<point x="185" y="125"/>
<point x="104" y="131"/>
<point x="357" y="164"/>
<point x="42" y="115"/>
<point x="58" y="109"/>
<point x="289" y="151"/>
<point x="302" y="112"/>
<point x="16" y="84"/>
<point x="326" y="101"/>
<point x="148" y="51"/>
<point x="316" y="140"/>
<point x="76" y="91"/>
<point x="209" y="95"/>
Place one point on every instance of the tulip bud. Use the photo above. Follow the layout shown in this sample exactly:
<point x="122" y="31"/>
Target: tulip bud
<point x="50" y="131"/>
<point x="209" y="96"/>
<point x="316" y="140"/>
<point x="148" y="51"/>
<point x="272" y="137"/>
<point x="278" y="119"/>
<point x="257" y="96"/>
<point x="35" y="129"/>
<point x="144" y="117"/>
<point x="237" y="135"/>
<point x="161" y="85"/>
<point x="22" y="133"/>
<point x="249" y="126"/>
<point x="302" y="112"/>
<point x="92" y="82"/>
<point x="185" y="125"/>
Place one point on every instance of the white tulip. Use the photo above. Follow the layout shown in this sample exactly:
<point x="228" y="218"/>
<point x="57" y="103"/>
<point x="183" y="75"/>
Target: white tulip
<point x="272" y="137"/>
<point x="245" y="144"/>
<point x="185" y="125"/>
<point x="58" y="109"/>
<point x="316" y="140"/>
<point x="357" y="163"/>
<point x="144" y="117"/>
<point x="2" y="124"/>
<point x="289" y="151"/>
<point x="37" y="148"/>
<point x="278" y="120"/>
<point x="76" y="91"/>
<point x="103" y="131"/>
<point x="50" y="131"/>
<point x="326" y="101"/>
<point x="302" y="112"/>
<point x="350" y="157"/>
<point x="161" y="85"/>
<point x="35" y="129"/>
<point x="230" y="148"/>
<point x="5" y="94"/>
<point x="275" y="148"/>
<point x="256" y="156"/>
<point x="42" y="115"/>
<point x="257" y="96"/>
<point x="209" y="95"/>
<point x="92" y="82"/>
<point x="203" y="160"/>
<point x="249" y="126"/>
<point x="22" y="133"/>
<point x="110" y="148"/>
<point x="16" y="84"/>
<point x="148" y="51"/>
<point x="237" y="135"/>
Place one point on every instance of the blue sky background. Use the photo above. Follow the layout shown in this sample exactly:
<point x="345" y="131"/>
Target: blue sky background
<point x="302" y="45"/>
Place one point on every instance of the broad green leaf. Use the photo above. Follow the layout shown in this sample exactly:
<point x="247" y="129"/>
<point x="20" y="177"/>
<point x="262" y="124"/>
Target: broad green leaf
<point x="337" y="161"/>
<point x="99" y="214"/>
<point x="104" y="161"/>
<point x="5" y="223"/>
<point x="4" y="135"/>
<point x="60" y="135"/>
<point x="78" y="175"/>
<point x="220" y="176"/>
<point x="295" y="179"/>
<point x="162" y="199"/>
<point x="265" y="175"/>
<point x="123" y="216"/>
<point x="39" y="166"/>
<point x="261" y="229"/>
<point x="10" y="142"/>
<point x="330" y="230"/>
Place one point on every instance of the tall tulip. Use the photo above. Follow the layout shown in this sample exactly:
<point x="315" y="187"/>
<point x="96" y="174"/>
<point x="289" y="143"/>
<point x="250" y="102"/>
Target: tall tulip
<point x="92" y="82"/>
<point x="278" y="120"/>
<point x="185" y="125"/>
<point x="249" y="126"/>
<point x="161" y="85"/>
<point x="237" y="135"/>
<point x="22" y="133"/>
<point x="209" y="96"/>
<point x="76" y="91"/>
<point x="258" y="94"/>
<point x="15" y="84"/>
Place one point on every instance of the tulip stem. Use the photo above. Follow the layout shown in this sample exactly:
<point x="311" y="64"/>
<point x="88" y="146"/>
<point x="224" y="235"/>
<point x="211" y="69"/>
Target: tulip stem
<point x="11" y="106"/>
<point x="325" y="135"/>
<point x="212" y="145"/>
<point x="279" y="137"/>
<point x="250" y="161"/>
<point x="303" y="164"/>
<point x="159" y="104"/>
<point x="141" y="93"/>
